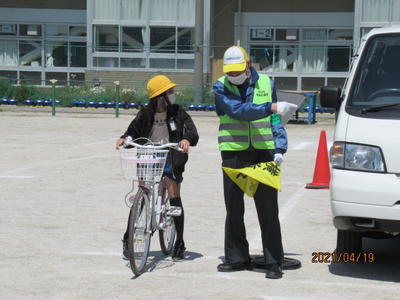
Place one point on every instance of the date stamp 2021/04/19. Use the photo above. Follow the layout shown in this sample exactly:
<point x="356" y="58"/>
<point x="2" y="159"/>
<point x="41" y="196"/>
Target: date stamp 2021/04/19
<point x="333" y="257"/>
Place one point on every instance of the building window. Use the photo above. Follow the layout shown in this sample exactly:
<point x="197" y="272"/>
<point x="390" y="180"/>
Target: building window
<point x="185" y="40"/>
<point x="8" y="53"/>
<point x="163" y="10"/>
<point x="56" y="30"/>
<point x="76" y="78"/>
<point x="396" y="11"/>
<point x="33" y="30"/>
<point x="8" y="29"/>
<point x="105" y="62"/>
<point x="10" y="75"/>
<point x="132" y="39"/>
<point x="133" y="10"/>
<point x="262" y="57"/>
<point x="312" y="83"/>
<point x="77" y="30"/>
<point x="106" y="9"/>
<point x="30" y="78"/>
<point x="186" y="10"/>
<point x="365" y="30"/>
<point x="61" y="77"/>
<point x="107" y="38"/>
<point x="78" y="54"/>
<point x="287" y="34"/>
<point x="286" y="58"/>
<point x="30" y="53"/>
<point x="375" y="10"/>
<point x="336" y="82"/>
<point x="133" y="62"/>
<point x="56" y="54"/>
<point x="162" y="39"/>
<point x="185" y="64"/>
<point x="315" y="35"/>
<point x="275" y="58"/>
<point x="156" y="33"/>
<point x="162" y="63"/>
<point x="313" y="58"/>
<point x="47" y="47"/>
<point x="338" y="58"/>
<point x="286" y="83"/>
<point x="172" y="10"/>
<point x="340" y="34"/>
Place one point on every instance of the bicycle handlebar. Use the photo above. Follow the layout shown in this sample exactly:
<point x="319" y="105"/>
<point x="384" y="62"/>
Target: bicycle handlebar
<point x="130" y="142"/>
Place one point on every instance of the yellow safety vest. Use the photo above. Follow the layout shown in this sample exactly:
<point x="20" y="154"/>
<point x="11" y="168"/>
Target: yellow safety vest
<point x="236" y="135"/>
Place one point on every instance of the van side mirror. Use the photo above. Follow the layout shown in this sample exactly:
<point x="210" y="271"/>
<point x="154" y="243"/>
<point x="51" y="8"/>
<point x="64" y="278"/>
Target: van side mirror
<point x="330" y="96"/>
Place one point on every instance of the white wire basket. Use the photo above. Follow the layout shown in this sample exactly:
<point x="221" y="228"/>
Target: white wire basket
<point x="143" y="164"/>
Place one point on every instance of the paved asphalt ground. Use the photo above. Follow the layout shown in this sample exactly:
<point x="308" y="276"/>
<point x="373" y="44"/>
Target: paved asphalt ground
<point x="63" y="215"/>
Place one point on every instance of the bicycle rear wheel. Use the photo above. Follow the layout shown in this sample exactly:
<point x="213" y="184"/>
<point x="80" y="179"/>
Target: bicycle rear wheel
<point x="168" y="233"/>
<point x="139" y="233"/>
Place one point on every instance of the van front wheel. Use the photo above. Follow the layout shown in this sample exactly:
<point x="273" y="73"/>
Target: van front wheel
<point x="348" y="242"/>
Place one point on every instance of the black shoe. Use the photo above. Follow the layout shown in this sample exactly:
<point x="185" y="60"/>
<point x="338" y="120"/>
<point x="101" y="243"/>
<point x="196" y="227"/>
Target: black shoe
<point x="233" y="267"/>
<point x="273" y="271"/>
<point x="125" y="251"/>
<point x="179" y="250"/>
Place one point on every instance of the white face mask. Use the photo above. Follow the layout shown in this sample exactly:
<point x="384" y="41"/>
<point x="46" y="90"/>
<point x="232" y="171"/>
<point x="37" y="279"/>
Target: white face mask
<point x="240" y="79"/>
<point x="171" y="98"/>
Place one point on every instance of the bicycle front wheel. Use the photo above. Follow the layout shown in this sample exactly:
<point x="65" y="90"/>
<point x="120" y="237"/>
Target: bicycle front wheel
<point x="139" y="233"/>
<point x="168" y="233"/>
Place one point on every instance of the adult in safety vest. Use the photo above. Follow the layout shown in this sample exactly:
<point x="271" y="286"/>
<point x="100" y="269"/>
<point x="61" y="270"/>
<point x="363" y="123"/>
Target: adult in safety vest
<point x="250" y="132"/>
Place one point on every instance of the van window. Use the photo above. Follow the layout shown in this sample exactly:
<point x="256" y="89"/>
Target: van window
<point x="377" y="79"/>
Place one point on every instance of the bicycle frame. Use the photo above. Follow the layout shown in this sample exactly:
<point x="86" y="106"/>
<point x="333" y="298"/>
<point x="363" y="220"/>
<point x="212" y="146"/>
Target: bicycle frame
<point x="151" y="211"/>
<point x="157" y="206"/>
<point x="157" y="198"/>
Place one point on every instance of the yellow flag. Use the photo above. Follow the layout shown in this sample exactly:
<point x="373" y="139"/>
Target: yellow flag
<point x="248" y="178"/>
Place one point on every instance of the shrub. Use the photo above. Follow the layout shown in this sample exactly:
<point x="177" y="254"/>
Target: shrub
<point x="23" y="92"/>
<point x="6" y="89"/>
<point x="67" y="94"/>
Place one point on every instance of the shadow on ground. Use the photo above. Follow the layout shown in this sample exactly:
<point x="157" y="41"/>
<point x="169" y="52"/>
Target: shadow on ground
<point x="158" y="260"/>
<point x="385" y="266"/>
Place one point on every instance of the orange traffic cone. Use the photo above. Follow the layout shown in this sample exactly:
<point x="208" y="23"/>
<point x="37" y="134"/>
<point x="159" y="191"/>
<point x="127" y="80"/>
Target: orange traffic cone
<point x="322" y="175"/>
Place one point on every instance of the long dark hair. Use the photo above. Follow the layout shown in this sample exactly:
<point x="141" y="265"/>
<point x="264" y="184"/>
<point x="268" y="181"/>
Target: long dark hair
<point x="152" y="106"/>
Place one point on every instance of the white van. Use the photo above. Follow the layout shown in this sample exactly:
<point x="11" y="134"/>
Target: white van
<point x="365" y="156"/>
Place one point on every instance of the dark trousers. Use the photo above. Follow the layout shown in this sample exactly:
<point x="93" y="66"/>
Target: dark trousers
<point x="266" y="201"/>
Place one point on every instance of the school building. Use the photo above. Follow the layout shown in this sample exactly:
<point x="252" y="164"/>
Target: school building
<point x="302" y="44"/>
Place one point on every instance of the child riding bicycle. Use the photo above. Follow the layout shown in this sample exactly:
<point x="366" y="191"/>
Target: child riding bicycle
<point x="163" y="121"/>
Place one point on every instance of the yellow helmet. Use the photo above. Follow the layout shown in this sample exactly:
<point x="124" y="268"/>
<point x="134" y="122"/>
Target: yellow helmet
<point x="235" y="59"/>
<point x="158" y="85"/>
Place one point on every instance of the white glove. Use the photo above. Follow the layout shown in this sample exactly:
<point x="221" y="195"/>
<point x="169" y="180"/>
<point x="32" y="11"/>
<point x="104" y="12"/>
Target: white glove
<point x="278" y="158"/>
<point x="284" y="107"/>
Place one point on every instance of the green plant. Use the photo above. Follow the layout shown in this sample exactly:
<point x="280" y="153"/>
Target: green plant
<point x="185" y="96"/>
<point x="23" y="92"/>
<point x="6" y="89"/>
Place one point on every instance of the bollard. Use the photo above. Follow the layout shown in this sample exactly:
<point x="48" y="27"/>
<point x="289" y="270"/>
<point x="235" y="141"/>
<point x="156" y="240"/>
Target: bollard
<point x="53" y="105"/>
<point x="117" y="87"/>
<point x="312" y="103"/>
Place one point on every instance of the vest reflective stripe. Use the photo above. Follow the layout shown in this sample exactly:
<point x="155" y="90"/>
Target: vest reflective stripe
<point x="236" y="138"/>
<point x="233" y="134"/>
<point x="262" y="137"/>
<point x="234" y="126"/>
<point x="236" y="135"/>
<point x="259" y="125"/>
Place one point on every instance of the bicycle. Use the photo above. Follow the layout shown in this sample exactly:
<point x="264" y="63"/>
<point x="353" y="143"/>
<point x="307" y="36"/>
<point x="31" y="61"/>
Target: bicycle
<point x="150" y="209"/>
